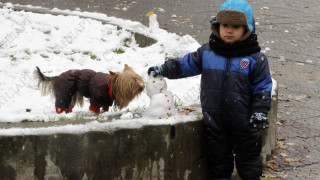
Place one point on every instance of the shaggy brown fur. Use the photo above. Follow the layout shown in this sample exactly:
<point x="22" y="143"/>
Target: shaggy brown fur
<point x="125" y="86"/>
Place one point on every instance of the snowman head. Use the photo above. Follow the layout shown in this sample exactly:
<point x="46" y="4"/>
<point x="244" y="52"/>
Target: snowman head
<point x="156" y="85"/>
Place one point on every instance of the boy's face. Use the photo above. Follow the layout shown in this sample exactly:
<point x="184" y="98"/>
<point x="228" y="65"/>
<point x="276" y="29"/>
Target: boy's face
<point x="231" y="33"/>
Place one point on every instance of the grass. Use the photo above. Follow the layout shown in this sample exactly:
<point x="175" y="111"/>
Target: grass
<point x="47" y="32"/>
<point x="92" y="56"/>
<point x="139" y="110"/>
<point x="118" y="51"/>
<point x="13" y="58"/>
<point x="177" y="104"/>
<point x="44" y="56"/>
<point x="27" y="51"/>
<point x="86" y="53"/>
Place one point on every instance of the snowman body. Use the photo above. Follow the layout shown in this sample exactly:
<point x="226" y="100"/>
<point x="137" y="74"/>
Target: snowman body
<point x="161" y="100"/>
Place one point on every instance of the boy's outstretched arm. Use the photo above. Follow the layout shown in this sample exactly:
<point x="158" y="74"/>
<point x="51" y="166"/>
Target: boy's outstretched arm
<point x="189" y="65"/>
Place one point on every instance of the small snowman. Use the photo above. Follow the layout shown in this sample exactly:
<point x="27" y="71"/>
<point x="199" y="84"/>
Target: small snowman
<point x="161" y="100"/>
<point x="153" y="22"/>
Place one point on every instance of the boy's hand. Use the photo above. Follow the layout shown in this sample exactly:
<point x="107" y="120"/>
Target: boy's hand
<point x="259" y="120"/>
<point x="156" y="69"/>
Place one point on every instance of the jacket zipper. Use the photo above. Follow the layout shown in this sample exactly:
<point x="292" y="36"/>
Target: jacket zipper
<point x="225" y="83"/>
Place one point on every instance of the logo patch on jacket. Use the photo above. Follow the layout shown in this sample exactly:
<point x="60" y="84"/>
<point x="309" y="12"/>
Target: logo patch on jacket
<point x="244" y="63"/>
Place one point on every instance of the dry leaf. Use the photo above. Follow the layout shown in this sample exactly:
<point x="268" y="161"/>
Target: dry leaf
<point x="183" y="112"/>
<point x="307" y="156"/>
<point x="304" y="175"/>
<point x="293" y="44"/>
<point x="315" y="77"/>
<point x="292" y="160"/>
<point x="280" y="145"/>
<point x="279" y="123"/>
<point x="268" y="176"/>
<point x="314" y="170"/>
<point x="282" y="86"/>
<point x="308" y="96"/>
<point x="310" y="82"/>
<point x="301" y="97"/>
<point x="286" y="106"/>
<point x="282" y="175"/>
<point x="270" y="164"/>
<point x="290" y="144"/>
<point x="283" y="154"/>
<point x="188" y="109"/>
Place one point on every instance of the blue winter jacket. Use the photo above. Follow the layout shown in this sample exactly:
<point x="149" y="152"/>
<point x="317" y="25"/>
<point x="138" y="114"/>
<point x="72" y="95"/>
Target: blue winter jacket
<point x="231" y="88"/>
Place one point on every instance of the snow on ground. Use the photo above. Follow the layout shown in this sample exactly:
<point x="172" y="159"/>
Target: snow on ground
<point x="59" y="43"/>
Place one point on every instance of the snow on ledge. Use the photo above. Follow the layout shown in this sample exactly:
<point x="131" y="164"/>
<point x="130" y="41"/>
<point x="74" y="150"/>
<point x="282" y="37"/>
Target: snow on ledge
<point x="99" y="126"/>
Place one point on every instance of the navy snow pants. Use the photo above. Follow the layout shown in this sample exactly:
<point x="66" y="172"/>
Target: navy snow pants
<point x="228" y="145"/>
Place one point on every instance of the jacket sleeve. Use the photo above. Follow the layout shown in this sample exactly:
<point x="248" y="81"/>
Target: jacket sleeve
<point x="189" y="65"/>
<point x="261" y="84"/>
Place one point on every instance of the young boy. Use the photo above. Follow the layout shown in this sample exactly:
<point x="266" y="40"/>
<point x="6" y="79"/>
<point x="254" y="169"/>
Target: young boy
<point x="235" y="90"/>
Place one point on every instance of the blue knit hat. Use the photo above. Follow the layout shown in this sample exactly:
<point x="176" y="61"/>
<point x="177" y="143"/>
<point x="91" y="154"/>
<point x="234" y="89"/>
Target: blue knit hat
<point x="234" y="12"/>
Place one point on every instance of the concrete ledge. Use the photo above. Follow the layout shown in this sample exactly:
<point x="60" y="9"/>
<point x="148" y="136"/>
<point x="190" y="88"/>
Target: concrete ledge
<point x="161" y="152"/>
<point x="152" y="152"/>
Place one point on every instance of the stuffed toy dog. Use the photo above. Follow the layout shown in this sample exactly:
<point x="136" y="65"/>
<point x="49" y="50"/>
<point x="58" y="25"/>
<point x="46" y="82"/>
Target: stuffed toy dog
<point x="102" y="89"/>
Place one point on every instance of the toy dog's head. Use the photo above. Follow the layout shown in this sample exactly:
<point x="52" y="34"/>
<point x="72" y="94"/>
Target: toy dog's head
<point x="126" y="86"/>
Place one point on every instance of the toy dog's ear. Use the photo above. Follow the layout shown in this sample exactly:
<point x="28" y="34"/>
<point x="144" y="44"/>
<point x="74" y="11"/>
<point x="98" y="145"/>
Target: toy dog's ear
<point x="126" y="67"/>
<point x="114" y="73"/>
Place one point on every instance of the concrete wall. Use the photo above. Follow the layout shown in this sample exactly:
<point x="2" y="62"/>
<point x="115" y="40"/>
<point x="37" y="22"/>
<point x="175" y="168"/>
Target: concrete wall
<point x="164" y="152"/>
<point x="152" y="152"/>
